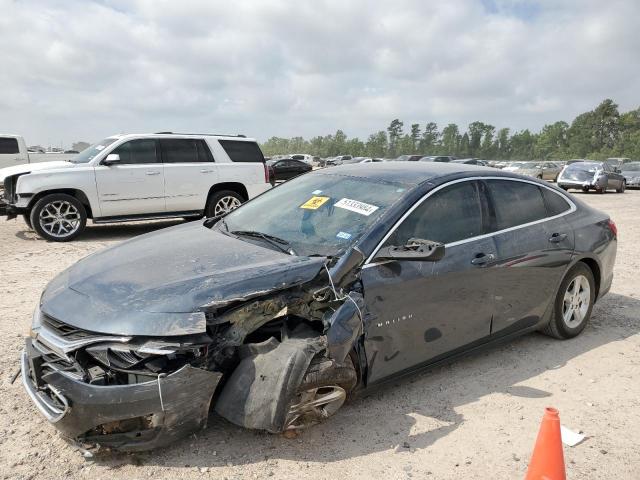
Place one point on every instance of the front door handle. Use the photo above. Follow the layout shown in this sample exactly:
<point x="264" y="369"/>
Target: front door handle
<point x="153" y="173"/>
<point x="557" y="237"/>
<point x="206" y="171"/>
<point x="482" y="259"/>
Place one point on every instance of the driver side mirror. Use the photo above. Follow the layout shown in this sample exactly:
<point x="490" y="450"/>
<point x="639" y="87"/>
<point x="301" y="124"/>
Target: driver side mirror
<point x="111" y="159"/>
<point x="416" y="249"/>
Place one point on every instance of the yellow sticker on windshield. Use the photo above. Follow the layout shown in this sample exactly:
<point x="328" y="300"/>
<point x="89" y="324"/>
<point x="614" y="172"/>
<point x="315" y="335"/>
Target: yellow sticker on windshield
<point x="314" y="203"/>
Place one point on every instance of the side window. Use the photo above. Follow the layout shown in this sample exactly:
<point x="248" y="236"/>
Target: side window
<point x="179" y="150"/>
<point x="204" y="152"/>
<point x="137" y="151"/>
<point x="240" y="151"/>
<point x="9" y="146"/>
<point x="516" y="203"/>
<point x="556" y="204"/>
<point x="449" y="215"/>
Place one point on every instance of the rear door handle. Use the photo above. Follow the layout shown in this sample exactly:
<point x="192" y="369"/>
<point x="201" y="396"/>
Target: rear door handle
<point x="153" y="173"/>
<point x="206" y="171"/>
<point x="557" y="237"/>
<point x="482" y="259"/>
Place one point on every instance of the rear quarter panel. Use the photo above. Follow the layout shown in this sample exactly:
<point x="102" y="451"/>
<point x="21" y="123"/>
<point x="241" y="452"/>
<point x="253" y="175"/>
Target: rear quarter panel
<point x="595" y="240"/>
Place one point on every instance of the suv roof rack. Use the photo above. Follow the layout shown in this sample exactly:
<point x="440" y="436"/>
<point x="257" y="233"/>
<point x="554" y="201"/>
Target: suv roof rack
<point x="208" y="134"/>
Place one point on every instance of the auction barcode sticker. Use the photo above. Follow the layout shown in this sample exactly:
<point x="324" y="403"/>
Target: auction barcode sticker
<point x="356" y="206"/>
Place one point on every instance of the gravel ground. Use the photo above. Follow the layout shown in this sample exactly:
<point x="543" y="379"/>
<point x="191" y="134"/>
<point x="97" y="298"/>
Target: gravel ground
<point x="477" y="418"/>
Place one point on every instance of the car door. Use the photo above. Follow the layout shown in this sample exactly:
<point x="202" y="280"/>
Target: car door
<point x="534" y="244"/>
<point x="422" y="311"/>
<point x="134" y="185"/>
<point x="189" y="173"/>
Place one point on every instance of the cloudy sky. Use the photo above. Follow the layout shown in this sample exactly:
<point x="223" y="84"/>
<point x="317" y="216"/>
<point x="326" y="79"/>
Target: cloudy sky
<point x="81" y="70"/>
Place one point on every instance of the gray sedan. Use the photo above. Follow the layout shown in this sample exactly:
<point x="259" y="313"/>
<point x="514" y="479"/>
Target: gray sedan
<point x="334" y="283"/>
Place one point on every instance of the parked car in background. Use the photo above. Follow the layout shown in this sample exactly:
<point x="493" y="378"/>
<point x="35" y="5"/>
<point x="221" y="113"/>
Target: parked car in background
<point x="13" y="152"/>
<point x="585" y="176"/>
<point x="303" y="157"/>
<point x="371" y="160"/>
<point x="437" y="158"/>
<point x="470" y="161"/>
<point x="540" y="170"/>
<point x="631" y="173"/>
<point x="287" y="168"/>
<point x="273" y="315"/>
<point x="137" y="177"/>
<point x="408" y="158"/>
<point x="333" y="161"/>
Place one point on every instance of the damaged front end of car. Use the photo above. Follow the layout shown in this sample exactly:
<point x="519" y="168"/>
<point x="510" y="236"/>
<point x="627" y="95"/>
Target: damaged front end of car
<point x="137" y="392"/>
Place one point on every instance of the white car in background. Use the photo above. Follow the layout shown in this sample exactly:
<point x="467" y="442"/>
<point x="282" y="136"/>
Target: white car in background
<point x="303" y="157"/>
<point x="14" y="152"/>
<point x="136" y="177"/>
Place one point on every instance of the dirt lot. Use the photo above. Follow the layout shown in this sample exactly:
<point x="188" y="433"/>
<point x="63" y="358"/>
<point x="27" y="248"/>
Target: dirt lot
<point x="477" y="418"/>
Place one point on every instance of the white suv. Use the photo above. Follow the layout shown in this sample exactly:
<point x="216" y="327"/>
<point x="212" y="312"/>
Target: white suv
<point x="137" y="177"/>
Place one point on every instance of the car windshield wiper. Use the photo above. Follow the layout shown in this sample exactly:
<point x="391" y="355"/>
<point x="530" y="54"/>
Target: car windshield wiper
<point x="280" y="243"/>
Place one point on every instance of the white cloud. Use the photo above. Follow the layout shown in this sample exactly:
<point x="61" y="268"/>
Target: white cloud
<point x="76" y="69"/>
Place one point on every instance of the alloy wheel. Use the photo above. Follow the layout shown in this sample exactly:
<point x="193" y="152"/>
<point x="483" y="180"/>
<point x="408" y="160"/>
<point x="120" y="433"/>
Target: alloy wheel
<point x="576" y="301"/>
<point x="225" y="205"/>
<point x="59" y="218"/>
<point x="314" y="405"/>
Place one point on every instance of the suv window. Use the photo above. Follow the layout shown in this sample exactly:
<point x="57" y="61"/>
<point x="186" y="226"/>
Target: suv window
<point x="516" y="203"/>
<point x="185" y="150"/>
<point x="556" y="204"/>
<point x="240" y="151"/>
<point x="454" y="213"/>
<point x="137" y="151"/>
<point x="9" y="146"/>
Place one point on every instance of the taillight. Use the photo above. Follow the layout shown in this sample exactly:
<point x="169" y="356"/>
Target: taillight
<point x="612" y="226"/>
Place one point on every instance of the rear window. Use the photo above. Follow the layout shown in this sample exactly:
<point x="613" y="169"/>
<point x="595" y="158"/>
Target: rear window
<point x="556" y="204"/>
<point x="8" y="146"/>
<point x="516" y="203"/>
<point x="240" y="151"/>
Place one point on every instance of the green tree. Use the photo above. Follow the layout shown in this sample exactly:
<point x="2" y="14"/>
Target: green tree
<point x="429" y="140"/>
<point x="450" y="139"/>
<point x="395" y="133"/>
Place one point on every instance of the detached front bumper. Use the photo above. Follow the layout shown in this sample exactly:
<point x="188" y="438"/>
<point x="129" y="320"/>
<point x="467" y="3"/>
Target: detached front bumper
<point x="133" y="417"/>
<point x="586" y="184"/>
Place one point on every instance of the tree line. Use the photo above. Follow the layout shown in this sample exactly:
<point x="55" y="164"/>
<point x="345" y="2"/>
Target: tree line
<point x="598" y="134"/>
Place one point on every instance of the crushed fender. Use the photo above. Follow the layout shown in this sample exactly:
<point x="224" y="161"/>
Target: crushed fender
<point x="345" y="326"/>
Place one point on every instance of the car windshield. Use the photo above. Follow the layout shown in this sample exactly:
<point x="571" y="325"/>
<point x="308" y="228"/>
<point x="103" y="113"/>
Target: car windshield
<point x="90" y="153"/>
<point x="584" y="166"/>
<point x="631" y="167"/>
<point x="317" y="214"/>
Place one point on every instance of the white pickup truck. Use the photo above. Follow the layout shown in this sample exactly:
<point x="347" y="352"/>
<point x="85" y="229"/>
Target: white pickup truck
<point x="135" y="177"/>
<point x="13" y="151"/>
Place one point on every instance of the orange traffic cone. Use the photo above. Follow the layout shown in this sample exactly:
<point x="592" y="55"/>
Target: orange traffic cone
<point x="547" y="461"/>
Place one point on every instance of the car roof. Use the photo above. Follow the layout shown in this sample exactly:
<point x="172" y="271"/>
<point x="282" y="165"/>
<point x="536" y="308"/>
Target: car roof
<point x="241" y="138"/>
<point x="410" y="173"/>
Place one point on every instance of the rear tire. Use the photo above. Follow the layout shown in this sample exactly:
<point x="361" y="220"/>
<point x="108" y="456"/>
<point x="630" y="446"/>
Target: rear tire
<point x="571" y="313"/>
<point x="323" y="391"/>
<point x="58" y="217"/>
<point x="221" y="203"/>
<point x="622" y="187"/>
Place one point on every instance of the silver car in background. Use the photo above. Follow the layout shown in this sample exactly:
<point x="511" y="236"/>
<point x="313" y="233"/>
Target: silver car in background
<point x="539" y="170"/>
<point x="631" y="173"/>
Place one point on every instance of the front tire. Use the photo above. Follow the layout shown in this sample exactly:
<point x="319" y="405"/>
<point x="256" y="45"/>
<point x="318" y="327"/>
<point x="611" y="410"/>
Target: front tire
<point x="323" y="391"/>
<point x="58" y="217"/>
<point x="573" y="303"/>
<point x="622" y="188"/>
<point x="221" y="203"/>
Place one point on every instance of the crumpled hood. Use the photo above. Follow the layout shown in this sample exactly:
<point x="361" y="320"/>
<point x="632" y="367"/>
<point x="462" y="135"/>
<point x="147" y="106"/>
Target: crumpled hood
<point x="159" y="283"/>
<point x="33" y="167"/>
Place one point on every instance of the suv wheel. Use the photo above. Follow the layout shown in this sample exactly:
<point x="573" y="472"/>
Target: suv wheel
<point x="573" y="304"/>
<point x="221" y="203"/>
<point x="58" y="217"/>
